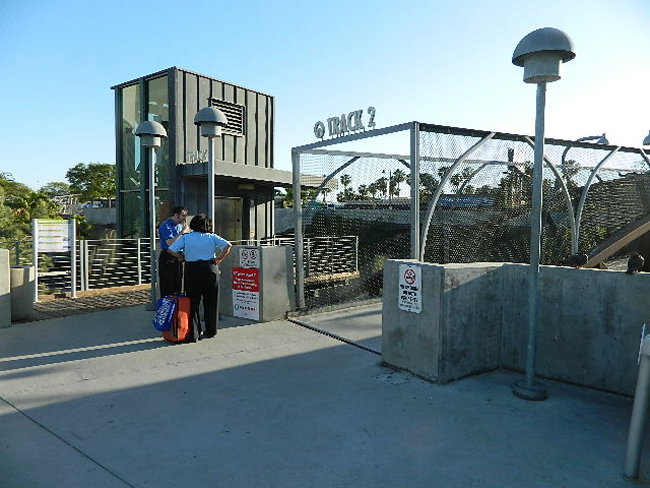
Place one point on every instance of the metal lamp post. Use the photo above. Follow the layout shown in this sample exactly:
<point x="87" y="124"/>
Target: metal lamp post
<point x="575" y="231"/>
<point x="540" y="53"/>
<point x="150" y="134"/>
<point x="646" y="141"/>
<point x="210" y="121"/>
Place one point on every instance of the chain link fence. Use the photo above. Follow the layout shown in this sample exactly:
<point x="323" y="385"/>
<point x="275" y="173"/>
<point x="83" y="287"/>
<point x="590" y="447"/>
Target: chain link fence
<point x="475" y="190"/>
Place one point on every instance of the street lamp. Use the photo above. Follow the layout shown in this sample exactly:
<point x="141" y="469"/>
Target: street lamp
<point x="150" y="134"/>
<point x="646" y="141"/>
<point x="210" y="121"/>
<point x="601" y="140"/>
<point x="540" y="53"/>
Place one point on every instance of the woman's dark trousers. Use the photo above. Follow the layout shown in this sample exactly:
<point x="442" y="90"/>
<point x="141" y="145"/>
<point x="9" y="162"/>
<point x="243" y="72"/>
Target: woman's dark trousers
<point x="201" y="282"/>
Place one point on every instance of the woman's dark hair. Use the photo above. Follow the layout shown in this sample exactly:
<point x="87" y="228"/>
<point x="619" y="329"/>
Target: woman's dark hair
<point x="201" y="223"/>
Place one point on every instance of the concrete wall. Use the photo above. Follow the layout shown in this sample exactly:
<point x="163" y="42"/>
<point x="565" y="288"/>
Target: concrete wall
<point x="475" y="318"/>
<point x="275" y="281"/>
<point x="5" y="297"/>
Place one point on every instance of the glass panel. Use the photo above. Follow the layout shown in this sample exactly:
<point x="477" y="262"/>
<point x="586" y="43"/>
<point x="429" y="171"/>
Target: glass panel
<point x="162" y="206"/>
<point x="130" y="144"/>
<point x="158" y="111"/>
<point x="130" y="205"/>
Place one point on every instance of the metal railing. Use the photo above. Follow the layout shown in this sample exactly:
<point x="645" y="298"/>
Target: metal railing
<point x="108" y="263"/>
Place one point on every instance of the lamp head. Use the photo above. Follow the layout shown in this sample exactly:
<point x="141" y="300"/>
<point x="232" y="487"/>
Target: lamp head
<point x="150" y="133"/>
<point x="646" y="141"/>
<point x="541" y="52"/>
<point x="210" y="120"/>
<point x="602" y="140"/>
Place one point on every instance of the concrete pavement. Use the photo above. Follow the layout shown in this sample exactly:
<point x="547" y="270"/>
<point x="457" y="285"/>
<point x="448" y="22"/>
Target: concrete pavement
<point x="100" y="400"/>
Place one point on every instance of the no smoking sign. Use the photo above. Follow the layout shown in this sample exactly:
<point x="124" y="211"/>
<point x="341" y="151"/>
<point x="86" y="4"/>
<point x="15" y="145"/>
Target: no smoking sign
<point x="409" y="290"/>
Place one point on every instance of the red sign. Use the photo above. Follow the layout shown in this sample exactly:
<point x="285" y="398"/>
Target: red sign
<point x="246" y="279"/>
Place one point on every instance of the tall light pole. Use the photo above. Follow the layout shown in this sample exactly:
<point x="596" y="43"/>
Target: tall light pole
<point x="540" y="53"/>
<point x="210" y="121"/>
<point x="150" y="134"/>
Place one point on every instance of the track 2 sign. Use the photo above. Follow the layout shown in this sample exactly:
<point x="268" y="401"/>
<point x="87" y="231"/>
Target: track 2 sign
<point x="409" y="291"/>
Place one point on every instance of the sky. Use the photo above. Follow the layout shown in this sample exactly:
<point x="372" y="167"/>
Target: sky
<point x="446" y="62"/>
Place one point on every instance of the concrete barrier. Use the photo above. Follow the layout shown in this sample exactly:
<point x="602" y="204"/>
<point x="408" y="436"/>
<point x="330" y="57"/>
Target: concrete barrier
<point x="5" y="299"/>
<point x="474" y="318"/>
<point x="275" y="280"/>
<point x="22" y="291"/>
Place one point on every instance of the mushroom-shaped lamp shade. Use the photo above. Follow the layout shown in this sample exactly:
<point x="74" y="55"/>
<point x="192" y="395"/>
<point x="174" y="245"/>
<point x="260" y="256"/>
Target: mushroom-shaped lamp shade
<point x="603" y="140"/>
<point x="150" y="133"/>
<point x="646" y="141"/>
<point x="541" y="52"/>
<point x="210" y="120"/>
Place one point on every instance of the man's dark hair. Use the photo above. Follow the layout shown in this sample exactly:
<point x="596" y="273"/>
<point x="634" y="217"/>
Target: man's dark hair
<point x="201" y="223"/>
<point x="178" y="210"/>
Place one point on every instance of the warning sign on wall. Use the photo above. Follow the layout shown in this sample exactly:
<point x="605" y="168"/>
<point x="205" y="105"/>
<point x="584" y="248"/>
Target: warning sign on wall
<point x="246" y="293"/>
<point x="410" y="288"/>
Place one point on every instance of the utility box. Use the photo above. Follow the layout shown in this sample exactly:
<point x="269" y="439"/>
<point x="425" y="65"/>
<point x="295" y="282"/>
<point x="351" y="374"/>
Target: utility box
<point x="257" y="283"/>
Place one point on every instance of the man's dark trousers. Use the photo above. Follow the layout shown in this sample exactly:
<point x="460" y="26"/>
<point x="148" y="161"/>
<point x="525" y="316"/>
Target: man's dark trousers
<point x="169" y="274"/>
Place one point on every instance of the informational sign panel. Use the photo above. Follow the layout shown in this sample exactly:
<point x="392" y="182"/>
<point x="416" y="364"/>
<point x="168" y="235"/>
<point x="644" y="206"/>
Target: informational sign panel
<point x="246" y="293"/>
<point x="54" y="235"/>
<point x="249" y="257"/>
<point x="410" y="288"/>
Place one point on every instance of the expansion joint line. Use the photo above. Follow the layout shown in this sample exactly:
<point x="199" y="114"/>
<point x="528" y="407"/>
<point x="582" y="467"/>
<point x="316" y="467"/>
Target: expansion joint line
<point x="333" y="336"/>
<point x="67" y="443"/>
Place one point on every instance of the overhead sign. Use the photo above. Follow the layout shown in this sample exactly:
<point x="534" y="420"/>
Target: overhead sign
<point x="351" y="122"/>
<point x="409" y="291"/>
<point x="54" y="235"/>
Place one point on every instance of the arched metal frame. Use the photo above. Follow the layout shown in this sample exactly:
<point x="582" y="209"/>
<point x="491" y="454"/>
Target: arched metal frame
<point x="436" y="196"/>
<point x="567" y="197"/>
<point x="583" y="197"/>
<point x="416" y="232"/>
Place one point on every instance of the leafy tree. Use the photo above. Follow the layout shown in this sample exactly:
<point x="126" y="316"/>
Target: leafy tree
<point x="55" y="188"/>
<point x="11" y="188"/>
<point x="33" y="205"/>
<point x="92" y="181"/>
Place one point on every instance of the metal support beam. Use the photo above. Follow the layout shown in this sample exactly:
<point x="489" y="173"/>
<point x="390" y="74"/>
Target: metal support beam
<point x="298" y="243"/>
<point x="415" y="191"/>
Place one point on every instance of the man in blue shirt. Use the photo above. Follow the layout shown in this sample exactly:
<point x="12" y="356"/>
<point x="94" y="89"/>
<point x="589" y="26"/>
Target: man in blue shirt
<point x="169" y="268"/>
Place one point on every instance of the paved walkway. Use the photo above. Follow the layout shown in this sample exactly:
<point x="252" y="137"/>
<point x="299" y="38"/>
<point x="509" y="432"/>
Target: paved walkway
<point x="99" y="400"/>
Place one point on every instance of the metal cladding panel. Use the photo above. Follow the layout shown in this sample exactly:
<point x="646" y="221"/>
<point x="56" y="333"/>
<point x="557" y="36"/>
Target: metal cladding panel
<point x="270" y="128"/>
<point x="251" y="129"/>
<point x="240" y="142"/>
<point x="262" y="132"/>
<point x="228" y="139"/>
<point x="252" y="148"/>
<point x="190" y="105"/>
<point x="217" y="92"/>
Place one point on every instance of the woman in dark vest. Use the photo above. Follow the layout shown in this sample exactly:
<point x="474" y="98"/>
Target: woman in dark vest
<point x="202" y="251"/>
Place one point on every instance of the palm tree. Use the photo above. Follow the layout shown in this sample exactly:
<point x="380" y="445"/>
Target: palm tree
<point x="397" y="177"/>
<point x="346" y="180"/>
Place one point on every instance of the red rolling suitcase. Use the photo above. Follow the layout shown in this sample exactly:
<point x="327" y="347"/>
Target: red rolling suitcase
<point x="181" y="322"/>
